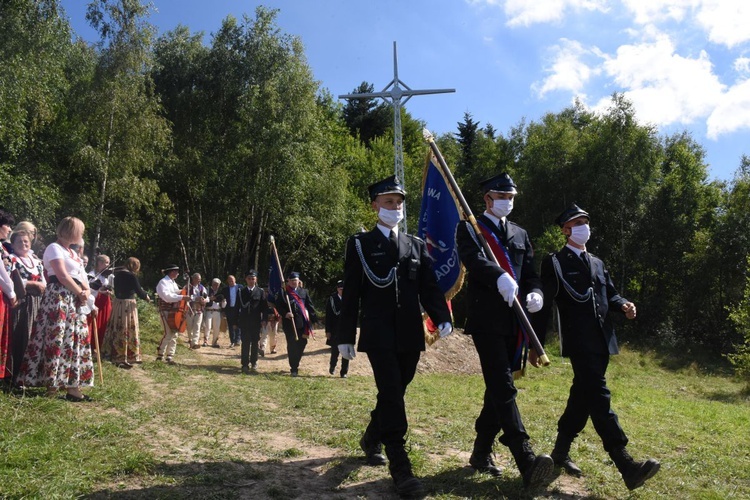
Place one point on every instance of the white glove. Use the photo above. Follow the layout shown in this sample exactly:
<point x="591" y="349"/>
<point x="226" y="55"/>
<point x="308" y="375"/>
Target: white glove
<point x="507" y="287"/>
<point x="445" y="329"/>
<point x="534" y="302"/>
<point x="347" y="351"/>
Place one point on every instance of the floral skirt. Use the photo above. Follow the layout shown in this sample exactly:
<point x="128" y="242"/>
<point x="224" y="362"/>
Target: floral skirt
<point x="59" y="353"/>
<point x="122" y="342"/>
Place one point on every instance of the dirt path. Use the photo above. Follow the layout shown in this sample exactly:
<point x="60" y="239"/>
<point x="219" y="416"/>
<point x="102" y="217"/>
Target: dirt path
<point x="314" y="472"/>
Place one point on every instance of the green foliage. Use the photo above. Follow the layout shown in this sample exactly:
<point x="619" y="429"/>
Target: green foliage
<point x="740" y="316"/>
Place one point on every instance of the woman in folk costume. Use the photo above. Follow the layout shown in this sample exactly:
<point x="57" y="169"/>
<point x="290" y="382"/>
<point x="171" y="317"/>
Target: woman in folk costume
<point x="122" y="342"/>
<point x="8" y="299"/>
<point x="59" y="353"/>
<point x="27" y="272"/>
<point x="100" y="282"/>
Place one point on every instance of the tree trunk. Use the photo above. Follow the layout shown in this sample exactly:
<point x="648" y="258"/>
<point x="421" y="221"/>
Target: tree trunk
<point x="103" y="193"/>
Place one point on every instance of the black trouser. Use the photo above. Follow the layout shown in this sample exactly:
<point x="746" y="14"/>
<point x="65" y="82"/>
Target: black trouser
<point x="393" y="372"/>
<point x="233" y="325"/>
<point x="334" y="359"/>
<point x="250" y="335"/>
<point x="295" y="347"/>
<point x="500" y="411"/>
<point x="590" y="397"/>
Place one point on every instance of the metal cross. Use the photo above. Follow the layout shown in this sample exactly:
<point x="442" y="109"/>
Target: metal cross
<point x="392" y="94"/>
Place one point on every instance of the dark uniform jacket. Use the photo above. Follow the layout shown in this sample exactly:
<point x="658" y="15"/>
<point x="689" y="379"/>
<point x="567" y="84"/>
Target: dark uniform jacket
<point x="585" y="327"/>
<point x="299" y="321"/>
<point x="487" y="311"/>
<point x="387" y="322"/>
<point x="333" y="318"/>
<point x="253" y="307"/>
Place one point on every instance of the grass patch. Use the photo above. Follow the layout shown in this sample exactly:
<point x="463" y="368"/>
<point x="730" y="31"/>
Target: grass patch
<point x="213" y="431"/>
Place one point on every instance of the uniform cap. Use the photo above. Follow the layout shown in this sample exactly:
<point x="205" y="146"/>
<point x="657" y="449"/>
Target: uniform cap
<point x="570" y="213"/>
<point x="389" y="185"/>
<point x="251" y="272"/>
<point x="171" y="267"/>
<point x="500" y="183"/>
<point x="293" y="275"/>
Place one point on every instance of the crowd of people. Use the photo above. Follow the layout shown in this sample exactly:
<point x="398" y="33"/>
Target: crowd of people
<point x="52" y="310"/>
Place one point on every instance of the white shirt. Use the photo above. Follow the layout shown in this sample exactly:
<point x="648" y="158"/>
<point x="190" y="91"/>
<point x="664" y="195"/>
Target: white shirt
<point x="168" y="291"/>
<point x="387" y="231"/>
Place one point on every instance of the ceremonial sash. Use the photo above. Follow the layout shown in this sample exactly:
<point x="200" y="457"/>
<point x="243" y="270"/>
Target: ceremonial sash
<point x="305" y="316"/>
<point x="501" y="254"/>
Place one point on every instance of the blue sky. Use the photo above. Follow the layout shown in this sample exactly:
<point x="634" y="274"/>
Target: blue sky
<point x="685" y="64"/>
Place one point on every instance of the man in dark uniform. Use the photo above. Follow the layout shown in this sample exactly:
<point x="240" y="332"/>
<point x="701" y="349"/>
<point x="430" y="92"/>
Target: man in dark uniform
<point x="297" y="322"/>
<point x="333" y="322"/>
<point x="232" y="309"/>
<point x="253" y="307"/>
<point x="581" y="286"/>
<point x="495" y="328"/>
<point x="387" y="274"/>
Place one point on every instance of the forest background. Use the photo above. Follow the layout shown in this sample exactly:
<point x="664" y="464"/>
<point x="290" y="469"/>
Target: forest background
<point x="175" y="151"/>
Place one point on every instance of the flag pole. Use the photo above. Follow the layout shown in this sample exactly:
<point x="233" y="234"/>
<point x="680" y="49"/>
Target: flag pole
<point x="533" y="339"/>
<point x="283" y="284"/>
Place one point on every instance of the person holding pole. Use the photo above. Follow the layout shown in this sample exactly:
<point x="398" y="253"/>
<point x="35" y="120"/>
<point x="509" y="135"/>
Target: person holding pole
<point x="584" y="293"/>
<point x="387" y="276"/>
<point x="500" y="341"/>
<point x="298" y="315"/>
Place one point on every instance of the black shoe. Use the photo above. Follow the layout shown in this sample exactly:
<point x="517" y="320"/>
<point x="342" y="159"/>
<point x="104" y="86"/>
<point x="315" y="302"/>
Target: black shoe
<point x="159" y="358"/>
<point x="215" y="346"/>
<point x="343" y="375"/>
<point x="246" y="370"/>
<point x="262" y="353"/>
<point x="373" y="452"/>
<point x="125" y="366"/>
<point x="567" y="464"/>
<point x="295" y="373"/>
<point x="330" y="371"/>
<point x="408" y="486"/>
<point x="76" y="399"/>
<point x="483" y="462"/>
<point x="539" y="472"/>
<point x="642" y="472"/>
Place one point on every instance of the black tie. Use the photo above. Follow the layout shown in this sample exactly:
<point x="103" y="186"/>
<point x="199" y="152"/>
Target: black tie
<point x="585" y="259"/>
<point x="394" y="240"/>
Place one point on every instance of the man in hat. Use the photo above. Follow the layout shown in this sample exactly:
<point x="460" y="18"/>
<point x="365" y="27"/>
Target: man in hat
<point x="387" y="275"/>
<point x="170" y="295"/>
<point x="296" y="322"/>
<point x="333" y="321"/>
<point x="495" y="329"/>
<point x="212" y="314"/>
<point x="584" y="293"/>
<point x="252" y="316"/>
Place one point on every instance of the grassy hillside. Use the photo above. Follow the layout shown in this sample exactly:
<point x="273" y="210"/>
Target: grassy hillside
<point x="205" y="432"/>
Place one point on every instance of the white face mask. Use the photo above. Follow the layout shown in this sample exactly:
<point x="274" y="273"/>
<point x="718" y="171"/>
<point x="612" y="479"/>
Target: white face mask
<point x="501" y="208"/>
<point x="390" y="217"/>
<point x="580" y="234"/>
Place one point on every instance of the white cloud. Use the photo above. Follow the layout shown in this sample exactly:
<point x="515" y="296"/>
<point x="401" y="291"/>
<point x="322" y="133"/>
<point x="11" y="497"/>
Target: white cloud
<point x="742" y="66"/>
<point x="726" y="21"/>
<point x="567" y="71"/>
<point x="526" y="13"/>
<point x="732" y="112"/>
<point x="665" y="87"/>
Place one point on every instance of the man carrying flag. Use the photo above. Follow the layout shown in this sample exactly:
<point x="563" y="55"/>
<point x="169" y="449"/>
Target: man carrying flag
<point x="298" y="315"/>
<point x="499" y="339"/>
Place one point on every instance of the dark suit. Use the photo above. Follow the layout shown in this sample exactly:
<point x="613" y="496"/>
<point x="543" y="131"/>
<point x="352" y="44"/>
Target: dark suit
<point x="494" y="326"/>
<point x="253" y="310"/>
<point x="333" y="322"/>
<point x="390" y="318"/>
<point x="232" y="312"/>
<point x="295" y="344"/>
<point x="587" y="338"/>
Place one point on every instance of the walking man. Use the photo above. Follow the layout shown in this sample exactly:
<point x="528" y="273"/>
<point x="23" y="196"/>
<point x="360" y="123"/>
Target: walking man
<point x="388" y="278"/>
<point x="495" y="330"/>
<point x="297" y="322"/>
<point x="252" y="316"/>
<point x="584" y="293"/>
